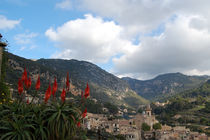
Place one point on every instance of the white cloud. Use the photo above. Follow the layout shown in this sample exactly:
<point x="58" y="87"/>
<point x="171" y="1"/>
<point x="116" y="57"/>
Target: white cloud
<point x="8" y="24"/>
<point x="197" y="72"/>
<point x="183" y="45"/>
<point x="143" y="16"/>
<point x="91" y="39"/>
<point x="137" y="16"/>
<point x="181" y="48"/>
<point x="65" y="4"/>
<point x="27" y="47"/>
<point x="26" y="40"/>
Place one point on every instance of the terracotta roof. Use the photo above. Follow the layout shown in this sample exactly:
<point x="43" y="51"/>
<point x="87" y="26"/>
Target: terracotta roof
<point x="124" y="122"/>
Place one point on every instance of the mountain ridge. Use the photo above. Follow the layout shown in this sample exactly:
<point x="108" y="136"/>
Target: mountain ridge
<point x="105" y="87"/>
<point x="165" y="84"/>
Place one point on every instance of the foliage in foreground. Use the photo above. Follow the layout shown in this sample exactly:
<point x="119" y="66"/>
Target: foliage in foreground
<point x="30" y="121"/>
<point x="50" y="120"/>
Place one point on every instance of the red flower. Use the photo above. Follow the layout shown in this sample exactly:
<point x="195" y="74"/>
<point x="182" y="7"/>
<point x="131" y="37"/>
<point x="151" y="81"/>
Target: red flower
<point x="24" y="77"/>
<point x="87" y="91"/>
<point x="84" y="113"/>
<point x="20" y="86"/>
<point x="38" y="83"/>
<point x="67" y="82"/>
<point x="63" y="95"/>
<point x="47" y="94"/>
<point x="78" y="124"/>
<point x="55" y="86"/>
<point x="27" y="101"/>
<point x="29" y="82"/>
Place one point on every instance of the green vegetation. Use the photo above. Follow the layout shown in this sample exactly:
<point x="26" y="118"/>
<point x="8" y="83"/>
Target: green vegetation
<point x="207" y="108"/>
<point x="202" y="91"/>
<point x="157" y="126"/>
<point x="165" y="85"/>
<point x="140" y="110"/>
<point x="112" y="108"/>
<point x="134" y="100"/>
<point x="105" y="87"/>
<point x="145" y="127"/>
<point x="20" y="120"/>
<point x="54" y="119"/>
<point x="189" y="109"/>
<point x="93" y="107"/>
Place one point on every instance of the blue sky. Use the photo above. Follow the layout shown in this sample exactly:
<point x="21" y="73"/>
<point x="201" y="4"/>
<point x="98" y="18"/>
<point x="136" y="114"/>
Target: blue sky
<point x="140" y="39"/>
<point x="35" y="17"/>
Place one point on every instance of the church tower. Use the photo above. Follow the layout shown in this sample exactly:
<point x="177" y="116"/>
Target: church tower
<point x="148" y="111"/>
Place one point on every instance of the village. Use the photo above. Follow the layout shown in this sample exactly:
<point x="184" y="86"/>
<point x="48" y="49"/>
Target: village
<point x="104" y="70"/>
<point x="131" y="129"/>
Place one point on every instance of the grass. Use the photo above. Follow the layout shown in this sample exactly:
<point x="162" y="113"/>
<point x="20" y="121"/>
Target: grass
<point x="197" y="108"/>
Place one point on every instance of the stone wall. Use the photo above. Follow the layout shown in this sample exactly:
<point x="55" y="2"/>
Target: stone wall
<point x="2" y="45"/>
<point x="1" y="53"/>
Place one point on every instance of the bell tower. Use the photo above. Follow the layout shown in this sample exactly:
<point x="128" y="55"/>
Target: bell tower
<point x="148" y="111"/>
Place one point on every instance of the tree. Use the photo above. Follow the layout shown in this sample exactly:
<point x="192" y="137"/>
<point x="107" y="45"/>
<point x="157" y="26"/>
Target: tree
<point x="140" y="110"/>
<point x="200" y="100"/>
<point x="207" y="107"/>
<point x="145" y="127"/>
<point x="93" y="107"/>
<point x="157" y="126"/>
<point x="112" y="108"/>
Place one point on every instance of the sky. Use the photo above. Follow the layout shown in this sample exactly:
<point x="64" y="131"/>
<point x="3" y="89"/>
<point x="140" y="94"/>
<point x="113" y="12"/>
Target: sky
<point x="136" y="38"/>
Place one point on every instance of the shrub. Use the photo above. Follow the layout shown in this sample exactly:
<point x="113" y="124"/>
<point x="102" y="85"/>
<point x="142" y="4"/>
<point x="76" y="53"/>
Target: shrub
<point x="52" y="119"/>
<point x="157" y="126"/>
<point x="145" y="127"/>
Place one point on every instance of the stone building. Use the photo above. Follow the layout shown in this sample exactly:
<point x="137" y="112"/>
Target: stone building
<point x="149" y="118"/>
<point x="179" y="133"/>
<point x="94" y="121"/>
<point x="145" y="117"/>
<point x="2" y="45"/>
<point x="131" y="129"/>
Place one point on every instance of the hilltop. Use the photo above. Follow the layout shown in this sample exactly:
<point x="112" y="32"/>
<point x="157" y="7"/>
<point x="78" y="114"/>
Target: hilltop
<point x="165" y="85"/>
<point x="105" y="87"/>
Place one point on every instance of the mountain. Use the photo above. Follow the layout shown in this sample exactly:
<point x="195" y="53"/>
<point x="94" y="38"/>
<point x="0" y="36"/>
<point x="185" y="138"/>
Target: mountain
<point x="165" y="85"/>
<point x="190" y="108"/>
<point x="202" y="91"/>
<point x="105" y="87"/>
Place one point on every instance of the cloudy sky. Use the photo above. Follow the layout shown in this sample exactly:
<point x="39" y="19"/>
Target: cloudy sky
<point x="136" y="38"/>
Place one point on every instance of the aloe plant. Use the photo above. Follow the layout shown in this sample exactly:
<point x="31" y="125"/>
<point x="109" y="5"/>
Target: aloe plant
<point x="41" y="131"/>
<point x="53" y="120"/>
<point x="61" y="119"/>
<point x="16" y="125"/>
